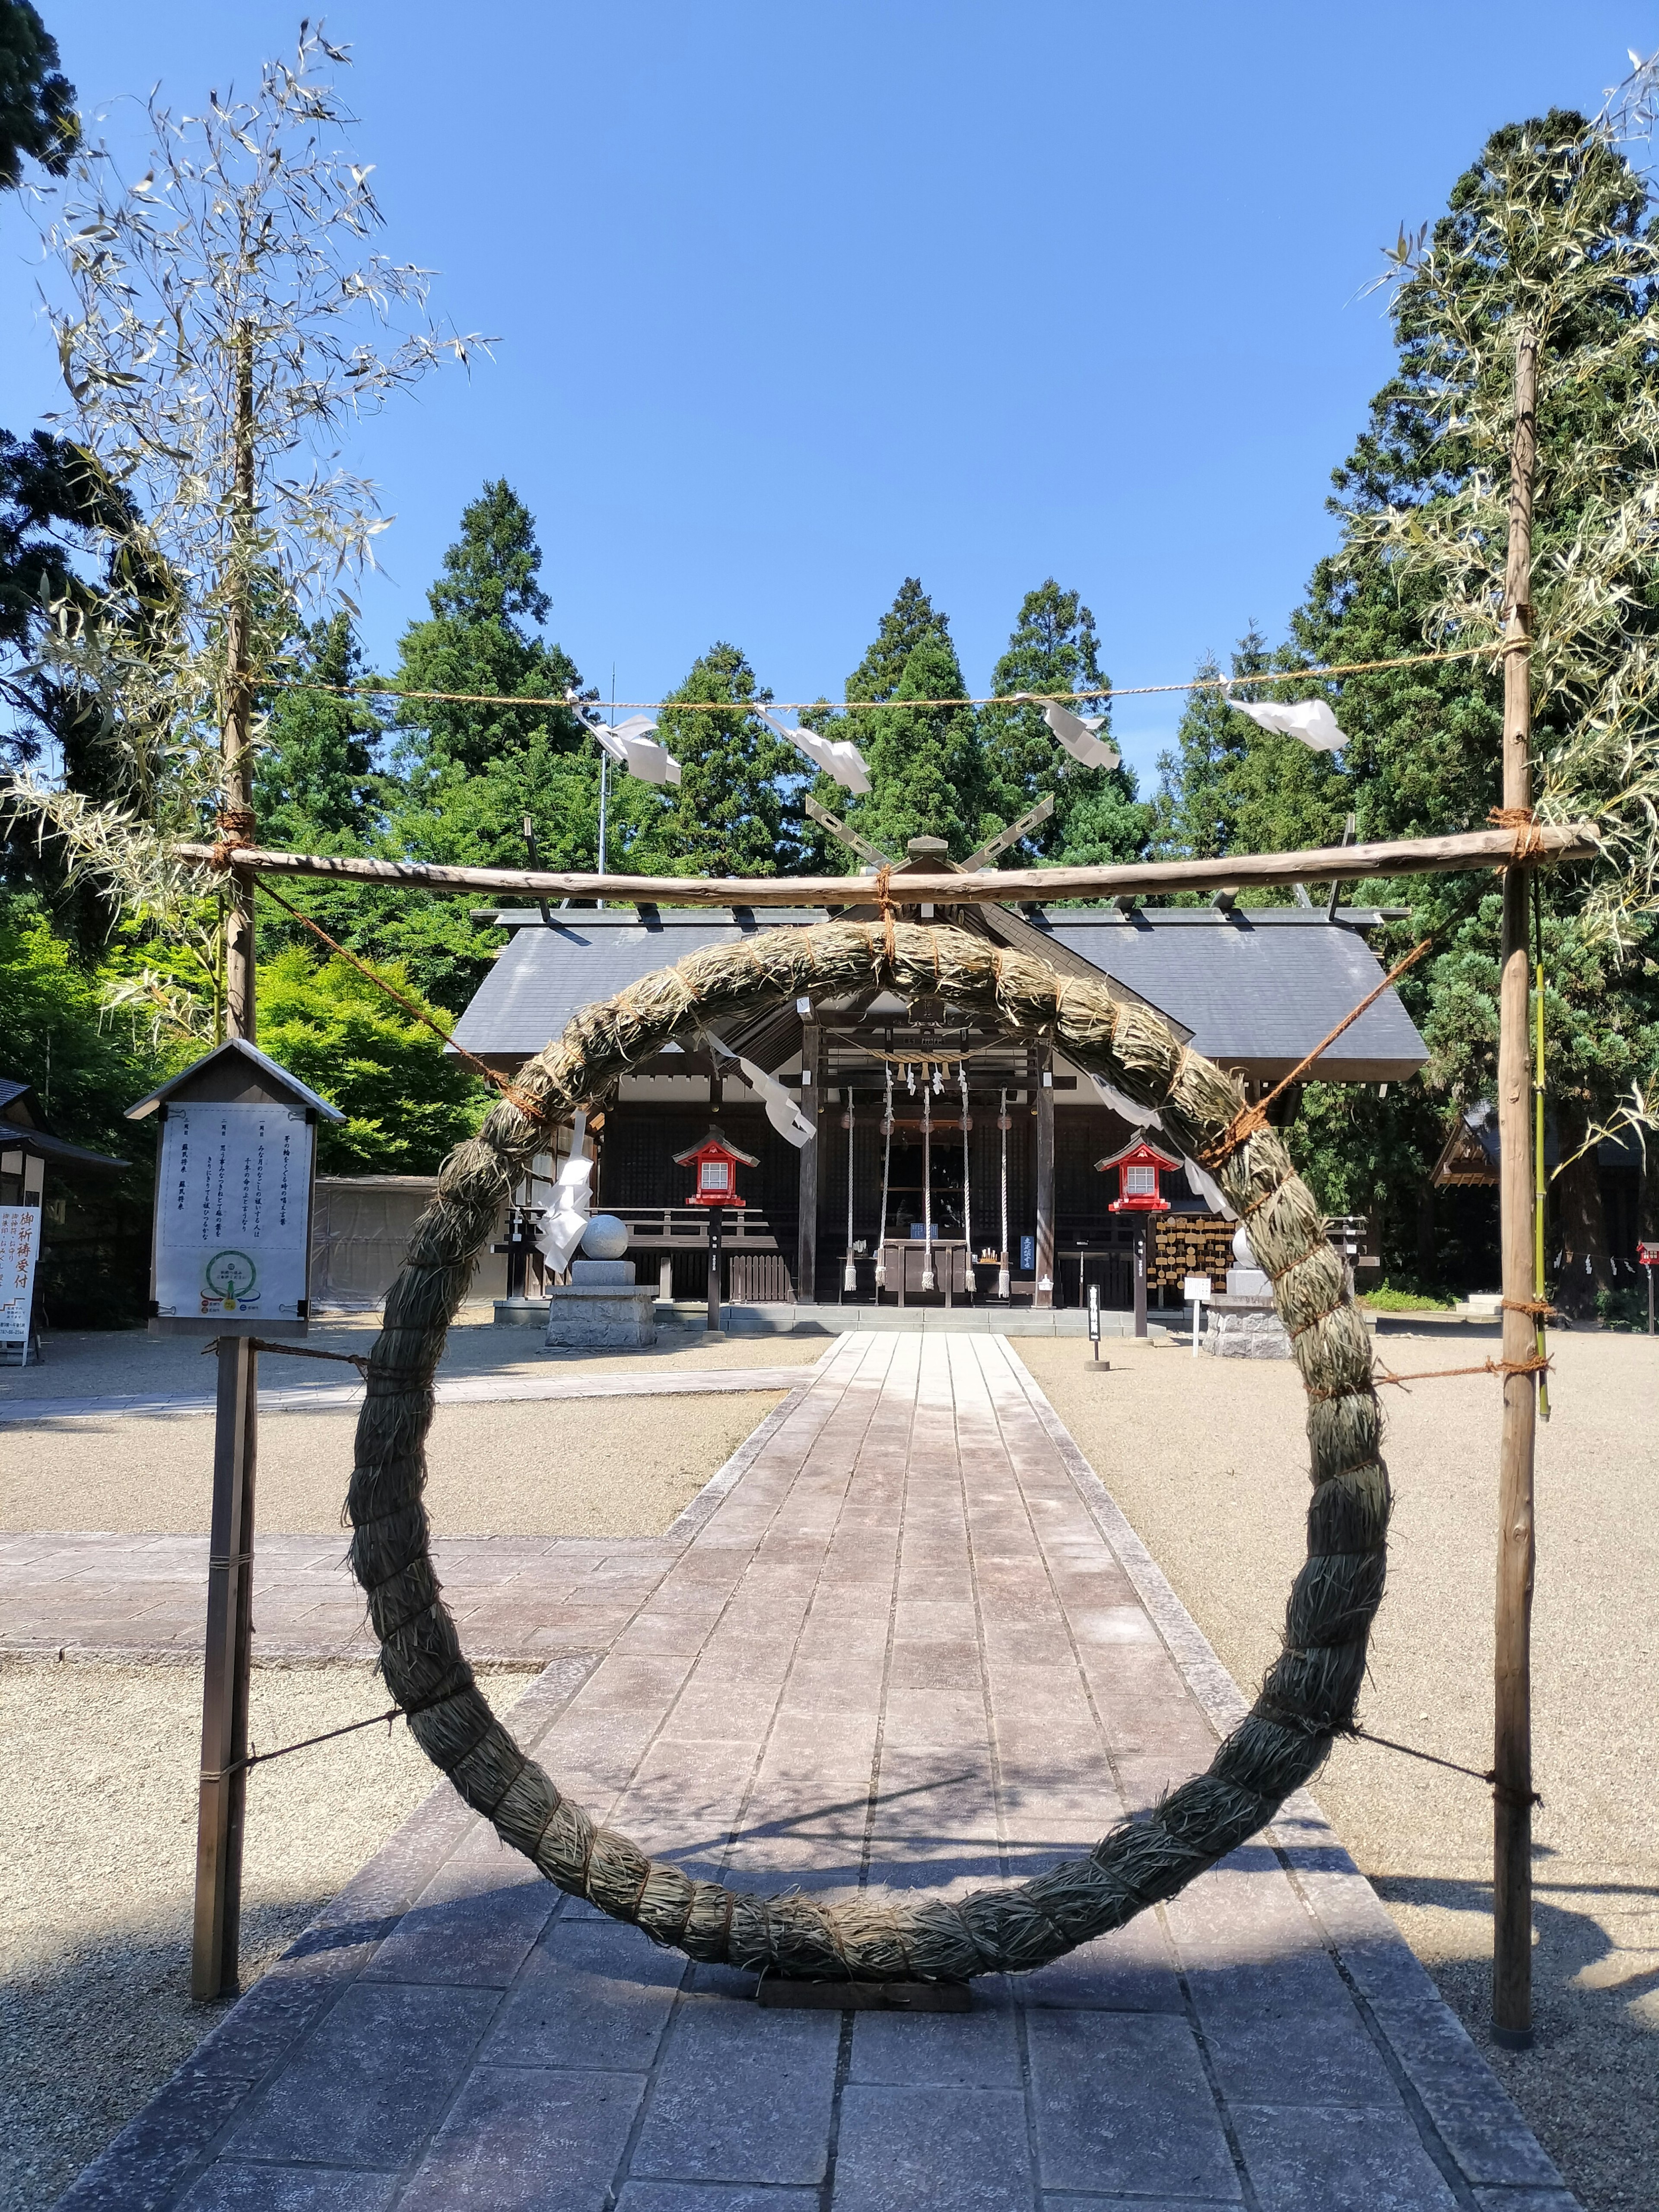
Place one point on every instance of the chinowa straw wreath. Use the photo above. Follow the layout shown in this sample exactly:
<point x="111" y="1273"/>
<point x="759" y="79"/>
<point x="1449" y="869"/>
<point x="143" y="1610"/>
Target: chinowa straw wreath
<point x="1310" y="1692"/>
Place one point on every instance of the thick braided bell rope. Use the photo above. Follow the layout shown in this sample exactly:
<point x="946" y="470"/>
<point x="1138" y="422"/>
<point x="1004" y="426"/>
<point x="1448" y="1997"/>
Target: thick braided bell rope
<point x="1310" y="1692"/>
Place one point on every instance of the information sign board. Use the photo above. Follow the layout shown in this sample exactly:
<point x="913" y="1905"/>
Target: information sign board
<point x="233" y="1212"/>
<point x="19" y="1249"/>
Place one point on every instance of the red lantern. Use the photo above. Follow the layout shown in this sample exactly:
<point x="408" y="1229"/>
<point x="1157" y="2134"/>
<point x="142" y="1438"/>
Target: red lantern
<point x="717" y="1160"/>
<point x="1138" y="1170"/>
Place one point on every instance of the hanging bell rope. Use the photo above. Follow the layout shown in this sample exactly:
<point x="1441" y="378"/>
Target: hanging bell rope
<point x="927" y="1279"/>
<point x="886" y="1168"/>
<point x="1003" y="1123"/>
<point x="967" y="1179"/>
<point x="849" y="1273"/>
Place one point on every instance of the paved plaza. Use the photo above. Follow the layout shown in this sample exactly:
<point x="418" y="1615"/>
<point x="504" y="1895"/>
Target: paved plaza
<point x="906" y="1639"/>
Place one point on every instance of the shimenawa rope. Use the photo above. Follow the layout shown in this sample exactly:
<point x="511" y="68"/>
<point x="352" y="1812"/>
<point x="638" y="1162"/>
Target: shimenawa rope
<point x="1309" y="1696"/>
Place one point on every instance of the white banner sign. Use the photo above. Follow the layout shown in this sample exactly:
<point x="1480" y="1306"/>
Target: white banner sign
<point x="20" y="1248"/>
<point x="233" y="1212"/>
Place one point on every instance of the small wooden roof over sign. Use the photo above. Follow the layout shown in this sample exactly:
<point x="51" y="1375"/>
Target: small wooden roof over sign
<point x="236" y="1073"/>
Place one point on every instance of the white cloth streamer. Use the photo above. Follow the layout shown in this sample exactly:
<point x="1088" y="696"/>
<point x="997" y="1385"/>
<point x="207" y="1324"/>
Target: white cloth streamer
<point x="1077" y="733"/>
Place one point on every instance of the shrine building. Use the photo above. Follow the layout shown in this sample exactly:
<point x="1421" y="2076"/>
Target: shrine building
<point x="1253" y="988"/>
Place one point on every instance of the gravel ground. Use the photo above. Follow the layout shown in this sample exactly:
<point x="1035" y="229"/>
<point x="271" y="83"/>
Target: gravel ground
<point x="594" y="1466"/>
<point x="94" y="1363"/>
<point x="1207" y="1460"/>
<point x="97" y="1837"/>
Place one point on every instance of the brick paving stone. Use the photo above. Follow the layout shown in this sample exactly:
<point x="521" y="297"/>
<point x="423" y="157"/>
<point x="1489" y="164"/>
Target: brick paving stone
<point x="910" y="1643"/>
<point x="1325" y="2158"/>
<point x="740" y="2094"/>
<point x="924" y="2147"/>
<point x="1122" y="2104"/>
<point x="527" y="2139"/>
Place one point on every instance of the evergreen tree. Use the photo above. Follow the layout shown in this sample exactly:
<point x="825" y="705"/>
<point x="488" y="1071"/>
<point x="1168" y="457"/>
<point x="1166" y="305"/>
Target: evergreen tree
<point x="38" y="120"/>
<point x="911" y="617"/>
<point x="1097" y="817"/>
<point x="316" y="787"/>
<point x="728" y="814"/>
<point x="927" y="768"/>
<point x="1425" y="751"/>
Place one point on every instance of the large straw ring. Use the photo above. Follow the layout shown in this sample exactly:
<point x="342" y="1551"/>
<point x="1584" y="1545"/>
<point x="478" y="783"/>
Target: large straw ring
<point x="1309" y="1695"/>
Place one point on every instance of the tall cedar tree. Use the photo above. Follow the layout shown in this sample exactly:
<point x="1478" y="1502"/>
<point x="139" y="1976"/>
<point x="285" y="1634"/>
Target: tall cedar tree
<point x="1424" y="755"/>
<point x="316" y="786"/>
<point x="1097" y="817"/>
<point x="38" y="121"/>
<point x="927" y="766"/>
<point x="728" y="814"/>
<point x="468" y="775"/>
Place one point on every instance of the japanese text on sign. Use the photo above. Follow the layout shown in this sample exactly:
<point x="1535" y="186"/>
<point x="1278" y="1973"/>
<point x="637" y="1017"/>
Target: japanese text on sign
<point x="233" y="1213"/>
<point x="20" y="1248"/>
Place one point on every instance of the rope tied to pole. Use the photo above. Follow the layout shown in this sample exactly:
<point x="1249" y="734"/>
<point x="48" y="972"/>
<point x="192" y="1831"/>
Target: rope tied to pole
<point x="1536" y="1365"/>
<point x="1503" y="1794"/>
<point x="1529" y="833"/>
<point x="1246" y="1124"/>
<point x="889" y="915"/>
<point x="235" y="828"/>
<point x="525" y="1105"/>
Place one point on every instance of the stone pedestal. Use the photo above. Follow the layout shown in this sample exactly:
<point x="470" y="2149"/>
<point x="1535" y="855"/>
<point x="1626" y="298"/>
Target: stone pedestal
<point x="1244" y="1327"/>
<point x="601" y="1306"/>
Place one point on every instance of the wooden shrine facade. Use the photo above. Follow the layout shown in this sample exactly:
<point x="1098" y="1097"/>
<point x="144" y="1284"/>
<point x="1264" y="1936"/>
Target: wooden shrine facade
<point x="1256" y="989"/>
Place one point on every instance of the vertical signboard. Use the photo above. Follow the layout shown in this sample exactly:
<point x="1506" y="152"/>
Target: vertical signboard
<point x="20" y="1250"/>
<point x="233" y="1212"/>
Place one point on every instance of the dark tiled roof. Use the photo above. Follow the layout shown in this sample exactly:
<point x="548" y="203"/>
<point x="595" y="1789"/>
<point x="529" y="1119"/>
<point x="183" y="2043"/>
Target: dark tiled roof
<point x="1257" y="988"/>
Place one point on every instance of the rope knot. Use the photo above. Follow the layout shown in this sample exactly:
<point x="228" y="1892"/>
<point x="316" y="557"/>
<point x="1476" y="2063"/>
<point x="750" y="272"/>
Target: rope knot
<point x="884" y="902"/>
<point x="234" y="829"/>
<point x="1529" y="836"/>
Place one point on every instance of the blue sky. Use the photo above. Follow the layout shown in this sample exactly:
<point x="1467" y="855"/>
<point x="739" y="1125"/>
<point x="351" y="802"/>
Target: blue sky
<point x="793" y="301"/>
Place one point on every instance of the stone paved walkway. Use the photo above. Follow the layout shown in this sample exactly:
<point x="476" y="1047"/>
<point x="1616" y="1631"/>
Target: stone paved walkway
<point x="912" y="1643"/>
<point x="452" y="1390"/>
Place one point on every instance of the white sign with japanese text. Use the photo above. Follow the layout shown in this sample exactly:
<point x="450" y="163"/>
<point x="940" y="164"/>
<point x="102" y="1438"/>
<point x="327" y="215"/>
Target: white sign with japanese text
<point x="20" y="1248"/>
<point x="233" y="1212"/>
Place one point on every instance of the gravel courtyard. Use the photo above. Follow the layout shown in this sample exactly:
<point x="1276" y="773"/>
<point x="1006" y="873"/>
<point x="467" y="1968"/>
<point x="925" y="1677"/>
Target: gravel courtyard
<point x="1208" y="1461"/>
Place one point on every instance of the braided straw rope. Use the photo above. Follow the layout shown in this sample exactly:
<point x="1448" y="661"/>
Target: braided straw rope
<point x="1310" y="1694"/>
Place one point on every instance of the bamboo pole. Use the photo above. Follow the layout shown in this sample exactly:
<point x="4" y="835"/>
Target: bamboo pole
<point x="236" y="730"/>
<point x="1512" y="1673"/>
<point x="1410" y="856"/>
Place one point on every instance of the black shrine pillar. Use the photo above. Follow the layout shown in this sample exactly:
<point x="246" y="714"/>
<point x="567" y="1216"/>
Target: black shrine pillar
<point x="1042" y="1061"/>
<point x="812" y="1084"/>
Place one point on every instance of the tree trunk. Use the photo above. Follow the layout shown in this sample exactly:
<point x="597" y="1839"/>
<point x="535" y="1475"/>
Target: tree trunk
<point x="1585" y="1266"/>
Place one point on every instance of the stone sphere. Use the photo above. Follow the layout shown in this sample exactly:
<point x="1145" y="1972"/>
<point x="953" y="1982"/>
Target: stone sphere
<point x="604" y="1237"/>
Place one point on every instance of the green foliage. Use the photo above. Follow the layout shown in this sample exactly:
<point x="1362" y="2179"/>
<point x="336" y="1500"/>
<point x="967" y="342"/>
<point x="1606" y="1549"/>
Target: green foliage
<point x="728" y="815"/>
<point x="86" y="1064"/>
<point x="1228" y="785"/>
<point x="1387" y="1299"/>
<point x="911" y="617"/>
<point x="927" y="766"/>
<point x="38" y="121"/>
<point x="1097" y="817"/>
<point x="407" y="1102"/>
<point x="315" y="787"/>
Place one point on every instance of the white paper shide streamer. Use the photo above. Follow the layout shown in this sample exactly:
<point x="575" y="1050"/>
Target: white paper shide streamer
<point x="782" y="1111"/>
<point x="1077" y="732"/>
<point x="632" y="744"/>
<point x="1310" y="721"/>
<point x="565" y="1221"/>
<point x="836" y="757"/>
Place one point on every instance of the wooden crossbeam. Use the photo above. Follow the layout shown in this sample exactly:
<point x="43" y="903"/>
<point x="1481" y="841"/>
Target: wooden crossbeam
<point x="1410" y="856"/>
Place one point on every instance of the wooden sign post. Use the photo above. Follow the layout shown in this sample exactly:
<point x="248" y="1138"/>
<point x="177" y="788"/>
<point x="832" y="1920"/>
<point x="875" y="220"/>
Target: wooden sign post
<point x="230" y="1261"/>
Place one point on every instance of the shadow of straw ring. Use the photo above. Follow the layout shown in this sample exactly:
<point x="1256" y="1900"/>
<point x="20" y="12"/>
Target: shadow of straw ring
<point x="1309" y="1694"/>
